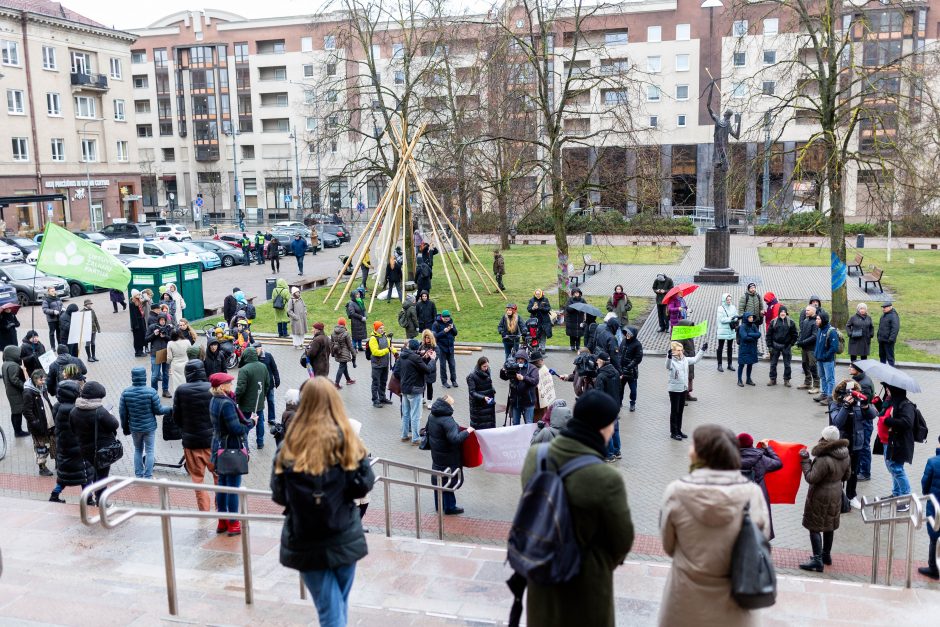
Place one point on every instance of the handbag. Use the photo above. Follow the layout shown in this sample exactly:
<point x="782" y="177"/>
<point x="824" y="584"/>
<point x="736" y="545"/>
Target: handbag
<point x="171" y="430"/>
<point x="107" y="454"/>
<point x="160" y="356"/>
<point x="846" y="505"/>
<point x="424" y="443"/>
<point x="394" y="385"/>
<point x="231" y="461"/>
<point x="753" y="579"/>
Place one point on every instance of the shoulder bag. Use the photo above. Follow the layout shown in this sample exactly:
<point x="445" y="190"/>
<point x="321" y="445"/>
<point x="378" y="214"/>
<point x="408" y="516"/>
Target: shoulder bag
<point x="109" y="453"/>
<point x="753" y="579"/>
<point x="230" y="461"/>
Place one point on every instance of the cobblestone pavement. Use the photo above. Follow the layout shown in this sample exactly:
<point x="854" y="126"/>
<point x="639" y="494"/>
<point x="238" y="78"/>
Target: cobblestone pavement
<point x="650" y="459"/>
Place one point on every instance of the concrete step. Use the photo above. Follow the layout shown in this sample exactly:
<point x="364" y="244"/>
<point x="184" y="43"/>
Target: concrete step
<point x="59" y="572"/>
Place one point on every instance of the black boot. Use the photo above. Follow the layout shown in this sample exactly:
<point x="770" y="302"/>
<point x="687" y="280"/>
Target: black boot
<point x="815" y="564"/>
<point x="56" y="498"/>
<point x="730" y="367"/>
<point x="720" y="369"/>
<point x="931" y="569"/>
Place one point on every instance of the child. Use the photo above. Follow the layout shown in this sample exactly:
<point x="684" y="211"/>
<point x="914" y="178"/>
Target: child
<point x="292" y="400"/>
<point x="95" y="329"/>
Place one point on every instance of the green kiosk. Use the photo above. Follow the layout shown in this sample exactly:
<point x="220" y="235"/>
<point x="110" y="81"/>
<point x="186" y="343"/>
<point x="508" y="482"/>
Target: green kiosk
<point x="183" y="270"/>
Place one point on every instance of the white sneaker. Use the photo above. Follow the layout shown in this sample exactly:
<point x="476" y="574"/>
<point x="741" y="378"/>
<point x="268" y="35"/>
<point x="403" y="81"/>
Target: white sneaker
<point x="855" y="503"/>
<point x="428" y="404"/>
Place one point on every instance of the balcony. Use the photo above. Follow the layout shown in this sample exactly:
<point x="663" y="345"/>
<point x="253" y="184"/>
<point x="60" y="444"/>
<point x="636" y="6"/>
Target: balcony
<point x="96" y="82"/>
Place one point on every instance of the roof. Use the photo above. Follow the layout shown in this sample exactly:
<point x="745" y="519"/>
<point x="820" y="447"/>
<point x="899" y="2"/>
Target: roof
<point x="50" y="9"/>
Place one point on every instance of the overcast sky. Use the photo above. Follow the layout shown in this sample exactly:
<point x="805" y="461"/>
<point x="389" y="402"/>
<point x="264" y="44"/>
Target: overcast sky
<point x="115" y="13"/>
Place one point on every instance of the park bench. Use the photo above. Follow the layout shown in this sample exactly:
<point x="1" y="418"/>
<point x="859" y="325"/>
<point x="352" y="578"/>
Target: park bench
<point x="578" y="278"/>
<point x="539" y="240"/>
<point x="872" y="278"/>
<point x="924" y="246"/>
<point x="590" y="265"/>
<point x="654" y="242"/>
<point x="857" y="264"/>
<point x="309" y="283"/>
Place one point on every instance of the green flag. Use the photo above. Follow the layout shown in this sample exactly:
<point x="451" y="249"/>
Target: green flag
<point x="67" y="255"/>
<point x="687" y="333"/>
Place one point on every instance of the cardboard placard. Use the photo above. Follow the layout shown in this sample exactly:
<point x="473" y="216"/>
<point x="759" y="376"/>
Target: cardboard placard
<point x="80" y="327"/>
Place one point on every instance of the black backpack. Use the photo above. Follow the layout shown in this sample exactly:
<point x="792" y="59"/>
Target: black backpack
<point x="542" y="545"/>
<point x="250" y="311"/>
<point x="278" y="302"/>
<point x="920" y="426"/>
<point x="753" y="579"/>
<point x="590" y="339"/>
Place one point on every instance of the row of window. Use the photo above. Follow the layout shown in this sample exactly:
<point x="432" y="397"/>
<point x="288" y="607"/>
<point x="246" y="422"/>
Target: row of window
<point x="86" y="107"/>
<point x="20" y="146"/>
<point x="80" y="61"/>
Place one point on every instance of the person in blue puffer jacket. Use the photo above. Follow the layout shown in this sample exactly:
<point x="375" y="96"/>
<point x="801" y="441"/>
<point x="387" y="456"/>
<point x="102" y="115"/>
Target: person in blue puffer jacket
<point x="930" y="483"/>
<point x="827" y="345"/>
<point x="139" y="407"/>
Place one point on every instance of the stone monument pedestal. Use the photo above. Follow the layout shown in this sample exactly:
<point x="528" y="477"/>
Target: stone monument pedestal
<point x="717" y="258"/>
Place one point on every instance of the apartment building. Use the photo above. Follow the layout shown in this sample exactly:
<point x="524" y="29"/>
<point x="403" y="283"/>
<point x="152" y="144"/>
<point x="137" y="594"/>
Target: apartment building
<point x="67" y="128"/>
<point x="242" y="112"/>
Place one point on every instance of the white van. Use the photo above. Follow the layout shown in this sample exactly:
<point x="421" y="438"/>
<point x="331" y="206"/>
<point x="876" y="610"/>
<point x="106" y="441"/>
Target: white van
<point x="146" y="248"/>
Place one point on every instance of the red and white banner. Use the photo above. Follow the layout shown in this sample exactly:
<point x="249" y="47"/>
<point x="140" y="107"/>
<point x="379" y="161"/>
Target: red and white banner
<point x="504" y="449"/>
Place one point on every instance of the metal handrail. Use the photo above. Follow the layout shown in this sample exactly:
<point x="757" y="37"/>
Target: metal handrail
<point x="884" y="511"/>
<point x="111" y="516"/>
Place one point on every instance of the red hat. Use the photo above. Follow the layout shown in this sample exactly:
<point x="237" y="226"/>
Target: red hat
<point x="376" y="325"/>
<point x="745" y="440"/>
<point x="220" y="378"/>
<point x="318" y="326"/>
<point x="341" y="322"/>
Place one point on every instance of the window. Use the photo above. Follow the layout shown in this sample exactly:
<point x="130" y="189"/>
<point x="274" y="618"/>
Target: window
<point x="768" y="87"/>
<point x="770" y="26"/>
<point x="682" y="63"/>
<point x="652" y="93"/>
<point x="654" y="33"/>
<point x="399" y="77"/>
<point x="654" y="121"/>
<point x="144" y="130"/>
<point x="329" y="42"/>
<point x="116" y="70"/>
<point x="20" y="149"/>
<point x="332" y="121"/>
<point x="159" y="57"/>
<point x="613" y="39"/>
<point x="248" y="152"/>
<point x="309" y="96"/>
<point x="680" y="121"/>
<point x="48" y="58"/>
<point x="122" y="151"/>
<point x="141" y="106"/>
<point x="398" y="51"/>
<point x="271" y="46"/>
<point x="58" y="148"/>
<point x="331" y="69"/>
<point x="739" y="90"/>
<point x="81" y="63"/>
<point x="615" y="96"/>
<point x="85" y="107"/>
<point x="140" y="81"/>
<point x="169" y="154"/>
<point x="770" y="57"/>
<point x="53" y="104"/>
<point x="739" y="28"/>
<point x="331" y="95"/>
<point x="654" y="64"/>
<point x="333" y="146"/>
<point x="119" y="110"/>
<point x="312" y="124"/>
<point x="15" y="101"/>
<point x="682" y="92"/>
<point x="683" y="32"/>
<point x="739" y="59"/>
<point x="241" y="52"/>
<point x="138" y="56"/>
<point x="376" y="51"/>
<point x="89" y="150"/>
<point x="308" y="70"/>
<point x="10" y="55"/>
<point x="166" y="129"/>
<point x="306" y="44"/>
<point x="278" y="125"/>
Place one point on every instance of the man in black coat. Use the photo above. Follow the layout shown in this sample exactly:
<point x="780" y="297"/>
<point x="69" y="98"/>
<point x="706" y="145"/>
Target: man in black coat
<point x="191" y="414"/>
<point x="412" y="371"/>
<point x="230" y="305"/>
<point x="888" y="328"/>
<point x="806" y="340"/>
<point x="426" y="311"/>
<point x="900" y="447"/>
<point x="523" y="384"/>
<point x="446" y="442"/>
<point x="606" y="341"/>
<point x="30" y="350"/>
<point x="781" y="336"/>
<point x="273" y="382"/>
<point x="661" y="285"/>
<point x="608" y="378"/>
<point x="63" y="358"/>
<point x="631" y="354"/>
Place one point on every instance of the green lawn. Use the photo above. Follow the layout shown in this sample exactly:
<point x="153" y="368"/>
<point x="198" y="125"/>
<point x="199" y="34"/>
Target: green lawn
<point x="527" y="268"/>
<point x="907" y="277"/>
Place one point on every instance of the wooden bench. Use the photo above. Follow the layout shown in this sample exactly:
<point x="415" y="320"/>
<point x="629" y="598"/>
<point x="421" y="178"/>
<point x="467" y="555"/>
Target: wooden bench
<point x="857" y="264"/>
<point x="872" y="278"/>
<point x="577" y="278"/>
<point x="541" y="241"/>
<point x="308" y="283"/>
<point x="590" y="265"/>
<point x="654" y="242"/>
<point x="924" y="246"/>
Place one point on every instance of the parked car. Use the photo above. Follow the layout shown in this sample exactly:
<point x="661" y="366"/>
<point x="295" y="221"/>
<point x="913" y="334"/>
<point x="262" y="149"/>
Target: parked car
<point x="28" y="291"/>
<point x="323" y="218"/>
<point x="126" y="259"/>
<point x="228" y="254"/>
<point x="7" y="295"/>
<point x="235" y="240"/>
<point x="128" y="230"/>
<point x="338" y="230"/>
<point x="298" y="227"/>
<point x="285" y="237"/>
<point x="328" y="240"/>
<point x="144" y="248"/>
<point x="92" y="236"/>
<point x="24" y="245"/>
<point x="209" y="260"/>
<point x="175" y="232"/>
<point x="10" y="254"/>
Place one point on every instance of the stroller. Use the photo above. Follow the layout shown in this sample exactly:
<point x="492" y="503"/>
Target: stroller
<point x="530" y="335"/>
<point x="232" y="350"/>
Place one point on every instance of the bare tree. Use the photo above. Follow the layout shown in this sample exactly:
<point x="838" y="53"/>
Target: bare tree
<point x="209" y="182"/>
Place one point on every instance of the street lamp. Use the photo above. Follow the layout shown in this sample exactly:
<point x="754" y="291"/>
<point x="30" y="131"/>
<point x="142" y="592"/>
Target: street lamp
<point x="233" y="132"/>
<point x="87" y="167"/>
<point x="299" y="201"/>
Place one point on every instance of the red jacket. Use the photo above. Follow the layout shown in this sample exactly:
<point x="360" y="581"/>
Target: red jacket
<point x="773" y="309"/>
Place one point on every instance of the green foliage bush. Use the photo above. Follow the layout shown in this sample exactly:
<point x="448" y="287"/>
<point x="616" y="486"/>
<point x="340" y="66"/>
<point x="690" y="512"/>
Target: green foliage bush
<point x="816" y="223"/>
<point x="540" y="222"/>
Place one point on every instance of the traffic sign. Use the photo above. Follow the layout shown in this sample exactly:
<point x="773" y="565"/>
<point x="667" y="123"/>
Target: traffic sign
<point x="287" y="199"/>
<point x="199" y="202"/>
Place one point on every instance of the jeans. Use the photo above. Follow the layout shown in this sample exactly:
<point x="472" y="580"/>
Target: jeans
<point x="411" y="415"/>
<point x="300" y="263"/>
<point x="158" y="372"/>
<point x="864" y="458"/>
<point x="745" y="370"/>
<point x="446" y="360"/>
<point x="379" y="382"/>
<point x="899" y="483"/>
<point x="330" y="591"/>
<point x="143" y="445"/>
<point x="775" y="357"/>
<point x="676" y="408"/>
<point x="282" y="329"/>
<point x="228" y="502"/>
<point x="259" y="428"/>
<point x="632" y="384"/>
<point x="246" y="257"/>
<point x="259" y="253"/>
<point x="827" y="376"/>
<point x="270" y="399"/>
<point x="449" y="498"/>
<point x="613" y="448"/>
<point x="510" y="346"/>
<point x="394" y="286"/>
<point x="663" y="314"/>
<point x="518" y="414"/>
<point x="885" y="352"/>
<point x="342" y="370"/>
<point x="721" y="348"/>
<point x="365" y="276"/>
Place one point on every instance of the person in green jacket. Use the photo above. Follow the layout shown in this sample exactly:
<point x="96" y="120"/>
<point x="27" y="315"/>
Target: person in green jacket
<point x="597" y="500"/>
<point x="251" y="390"/>
<point x="280" y="314"/>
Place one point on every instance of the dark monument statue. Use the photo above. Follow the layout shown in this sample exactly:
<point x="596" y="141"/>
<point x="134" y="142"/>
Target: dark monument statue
<point x="718" y="239"/>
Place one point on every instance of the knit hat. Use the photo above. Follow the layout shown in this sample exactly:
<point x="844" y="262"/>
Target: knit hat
<point x="292" y="397"/>
<point x="341" y="322"/>
<point x="414" y="344"/>
<point x="511" y="306"/>
<point x="236" y="289"/>
<point x="295" y="290"/>
<point x="604" y="356"/>
<point x="376" y="325"/>
<point x="135" y="293"/>
<point x="220" y="378"/>
<point x="610" y="316"/>
<point x="595" y="409"/>
<point x="745" y="440"/>
<point x="93" y="389"/>
<point x="830" y="433"/>
<point x="445" y="313"/>
<point x="61" y="349"/>
<point x="318" y="326"/>
<point x="749" y="285"/>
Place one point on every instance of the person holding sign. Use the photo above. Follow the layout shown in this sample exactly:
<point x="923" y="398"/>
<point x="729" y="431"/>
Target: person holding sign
<point x="678" y="366"/>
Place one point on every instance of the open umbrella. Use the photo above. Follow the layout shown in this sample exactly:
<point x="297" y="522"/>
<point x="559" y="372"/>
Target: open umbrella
<point x="590" y="310"/>
<point x="889" y="374"/>
<point x="683" y="289"/>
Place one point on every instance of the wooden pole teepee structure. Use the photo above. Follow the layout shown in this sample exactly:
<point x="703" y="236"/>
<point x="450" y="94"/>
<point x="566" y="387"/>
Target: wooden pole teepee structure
<point x="393" y="218"/>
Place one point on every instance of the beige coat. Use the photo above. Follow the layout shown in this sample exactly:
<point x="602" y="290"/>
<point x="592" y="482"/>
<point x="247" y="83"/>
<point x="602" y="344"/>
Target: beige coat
<point x="699" y="521"/>
<point x="297" y="312"/>
<point x="177" y="358"/>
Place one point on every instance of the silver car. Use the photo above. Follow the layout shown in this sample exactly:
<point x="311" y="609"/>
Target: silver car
<point x="30" y="283"/>
<point x="9" y="254"/>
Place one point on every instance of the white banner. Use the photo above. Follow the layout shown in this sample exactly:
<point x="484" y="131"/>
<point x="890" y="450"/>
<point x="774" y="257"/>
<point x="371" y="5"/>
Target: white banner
<point x="504" y="449"/>
<point x="80" y="327"/>
<point x="546" y="387"/>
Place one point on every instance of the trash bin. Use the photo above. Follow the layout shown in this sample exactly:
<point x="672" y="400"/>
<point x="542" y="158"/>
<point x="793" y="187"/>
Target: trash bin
<point x="588" y="238"/>
<point x="269" y="284"/>
<point x="860" y="240"/>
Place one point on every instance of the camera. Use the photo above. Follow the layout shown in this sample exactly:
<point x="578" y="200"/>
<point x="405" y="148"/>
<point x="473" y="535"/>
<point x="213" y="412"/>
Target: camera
<point x="511" y="367"/>
<point x="859" y="396"/>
